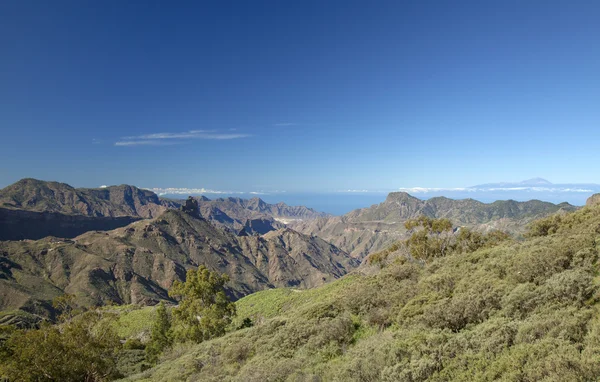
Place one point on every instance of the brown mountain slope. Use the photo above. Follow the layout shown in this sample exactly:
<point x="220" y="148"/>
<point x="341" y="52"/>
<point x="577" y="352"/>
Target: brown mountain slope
<point x="371" y="229"/>
<point x="139" y="262"/>
<point x="234" y="212"/>
<point x="16" y="224"/>
<point x="113" y="201"/>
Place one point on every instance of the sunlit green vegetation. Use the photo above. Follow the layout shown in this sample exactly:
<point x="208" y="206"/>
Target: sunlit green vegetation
<point x="486" y="308"/>
<point x="491" y="309"/>
<point x="432" y="238"/>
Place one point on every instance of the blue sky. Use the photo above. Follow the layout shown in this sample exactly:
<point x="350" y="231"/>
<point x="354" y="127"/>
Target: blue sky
<point x="299" y="96"/>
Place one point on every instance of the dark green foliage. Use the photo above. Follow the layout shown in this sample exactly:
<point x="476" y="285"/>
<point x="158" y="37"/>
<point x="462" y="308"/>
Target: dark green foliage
<point x="544" y="227"/>
<point x="83" y="349"/>
<point x="133" y="344"/>
<point x="246" y="323"/>
<point x="204" y="311"/>
<point x="161" y="335"/>
<point x="66" y="307"/>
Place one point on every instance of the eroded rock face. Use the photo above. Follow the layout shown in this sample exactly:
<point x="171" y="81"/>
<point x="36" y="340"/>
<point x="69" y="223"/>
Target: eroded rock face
<point x="593" y="200"/>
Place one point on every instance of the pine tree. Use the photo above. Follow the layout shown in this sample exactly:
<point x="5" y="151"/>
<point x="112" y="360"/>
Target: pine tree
<point x="161" y="334"/>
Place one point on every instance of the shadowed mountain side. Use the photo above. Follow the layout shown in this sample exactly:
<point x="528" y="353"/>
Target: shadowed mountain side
<point x="138" y="263"/>
<point x="20" y="224"/>
<point x="366" y="230"/>
<point x="124" y="200"/>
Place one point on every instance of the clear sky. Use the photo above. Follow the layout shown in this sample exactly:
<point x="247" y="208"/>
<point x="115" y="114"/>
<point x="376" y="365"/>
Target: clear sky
<point x="299" y="96"/>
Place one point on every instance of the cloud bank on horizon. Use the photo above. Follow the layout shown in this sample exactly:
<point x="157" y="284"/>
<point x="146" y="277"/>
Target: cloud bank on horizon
<point x="536" y="188"/>
<point x="160" y="191"/>
<point x="532" y="185"/>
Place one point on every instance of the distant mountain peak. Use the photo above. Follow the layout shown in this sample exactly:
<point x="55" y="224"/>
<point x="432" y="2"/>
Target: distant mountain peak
<point x="536" y="181"/>
<point x="533" y="182"/>
<point x="399" y="195"/>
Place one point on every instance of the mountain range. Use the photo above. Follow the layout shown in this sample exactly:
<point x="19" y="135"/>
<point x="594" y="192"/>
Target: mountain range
<point x="366" y="230"/>
<point x="124" y="200"/>
<point x="139" y="262"/>
<point x="33" y="209"/>
<point x="253" y="215"/>
<point x="122" y="244"/>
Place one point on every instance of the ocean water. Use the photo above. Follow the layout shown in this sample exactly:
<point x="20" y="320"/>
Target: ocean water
<point x="334" y="203"/>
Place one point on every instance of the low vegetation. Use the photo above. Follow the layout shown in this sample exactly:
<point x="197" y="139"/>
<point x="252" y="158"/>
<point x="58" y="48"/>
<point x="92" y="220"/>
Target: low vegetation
<point x="492" y="308"/>
<point x="433" y="238"/>
<point x="444" y="305"/>
<point x="85" y="345"/>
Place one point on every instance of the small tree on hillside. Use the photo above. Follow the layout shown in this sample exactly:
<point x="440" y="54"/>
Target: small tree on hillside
<point x="66" y="308"/>
<point x="161" y="336"/>
<point x="204" y="310"/>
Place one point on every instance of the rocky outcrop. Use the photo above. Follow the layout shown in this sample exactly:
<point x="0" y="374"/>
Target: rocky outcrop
<point x="593" y="200"/>
<point x="191" y="208"/>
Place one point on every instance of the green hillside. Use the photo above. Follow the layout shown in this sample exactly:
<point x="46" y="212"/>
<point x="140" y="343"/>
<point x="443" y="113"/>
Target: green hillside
<point x="518" y="311"/>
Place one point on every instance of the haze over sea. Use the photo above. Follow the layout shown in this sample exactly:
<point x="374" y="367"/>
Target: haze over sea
<point x="343" y="202"/>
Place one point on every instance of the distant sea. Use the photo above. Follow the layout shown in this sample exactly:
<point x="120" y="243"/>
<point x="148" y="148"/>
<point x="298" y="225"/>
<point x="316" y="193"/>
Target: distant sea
<point x="342" y="203"/>
<point x="334" y="203"/>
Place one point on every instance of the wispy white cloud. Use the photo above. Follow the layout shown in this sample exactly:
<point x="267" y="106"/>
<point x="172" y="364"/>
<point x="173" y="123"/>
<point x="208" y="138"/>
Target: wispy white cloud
<point x="202" y="191"/>
<point x="354" y="191"/>
<point x="145" y="143"/>
<point x="158" y="139"/>
<point x="188" y="191"/>
<point x="422" y="190"/>
<point x="425" y="190"/>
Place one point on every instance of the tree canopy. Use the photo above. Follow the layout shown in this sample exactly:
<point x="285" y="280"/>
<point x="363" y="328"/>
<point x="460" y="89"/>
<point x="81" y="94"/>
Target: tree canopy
<point x="204" y="309"/>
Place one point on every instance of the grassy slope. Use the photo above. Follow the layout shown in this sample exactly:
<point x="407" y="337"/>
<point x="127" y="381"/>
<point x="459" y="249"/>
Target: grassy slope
<point x="521" y="311"/>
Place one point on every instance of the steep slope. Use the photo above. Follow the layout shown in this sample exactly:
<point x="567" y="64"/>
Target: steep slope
<point x="113" y="201"/>
<point x="138" y="263"/>
<point x="241" y="210"/>
<point x="18" y="224"/>
<point x="371" y="229"/>
<point x="519" y="311"/>
<point x="253" y="215"/>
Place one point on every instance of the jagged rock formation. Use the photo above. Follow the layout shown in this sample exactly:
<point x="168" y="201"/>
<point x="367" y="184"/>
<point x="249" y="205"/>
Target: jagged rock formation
<point x="190" y="207"/>
<point x="139" y="262"/>
<point x="371" y="229"/>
